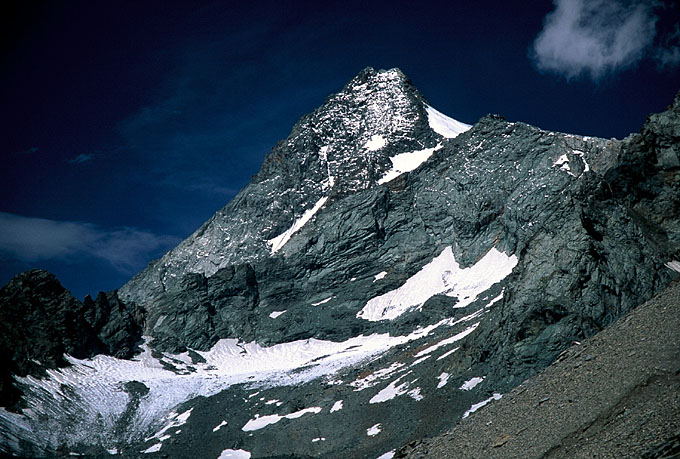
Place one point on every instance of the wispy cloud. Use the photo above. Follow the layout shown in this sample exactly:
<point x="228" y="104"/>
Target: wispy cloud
<point x="32" y="239"/>
<point x="595" y="38"/>
<point x="81" y="158"/>
<point x="28" y="151"/>
<point x="668" y="53"/>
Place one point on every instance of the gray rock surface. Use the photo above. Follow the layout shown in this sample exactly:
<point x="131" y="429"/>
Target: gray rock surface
<point x="592" y="239"/>
<point x="602" y="249"/>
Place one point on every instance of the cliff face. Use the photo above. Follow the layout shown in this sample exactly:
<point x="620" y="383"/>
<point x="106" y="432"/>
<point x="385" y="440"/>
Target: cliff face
<point x="388" y="265"/>
<point x="614" y="248"/>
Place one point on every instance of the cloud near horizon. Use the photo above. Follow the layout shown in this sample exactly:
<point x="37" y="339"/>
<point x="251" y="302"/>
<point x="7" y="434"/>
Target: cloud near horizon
<point x="33" y="239"/>
<point x="594" y="38"/>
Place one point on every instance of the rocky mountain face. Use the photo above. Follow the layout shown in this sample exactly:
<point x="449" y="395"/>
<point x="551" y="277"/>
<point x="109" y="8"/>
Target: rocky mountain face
<point x="341" y="148"/>
<point x="388" y="271"/>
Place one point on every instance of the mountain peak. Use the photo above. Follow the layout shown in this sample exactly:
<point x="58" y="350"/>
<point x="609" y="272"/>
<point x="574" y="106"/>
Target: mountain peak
<point x="349" y="144"/>
<point x="369" y="73"/>
<point x="370" y="83"/>
<point x="370" y="80"/>
<point x="424" y="294"/>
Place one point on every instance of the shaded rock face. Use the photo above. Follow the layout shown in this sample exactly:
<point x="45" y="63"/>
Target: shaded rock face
<point x="117" y="325"/>
<point x="497" y="247"/>
<point x="596" y="261"/>
<point x="40" y="321"/>
<point x="201" y="311"/>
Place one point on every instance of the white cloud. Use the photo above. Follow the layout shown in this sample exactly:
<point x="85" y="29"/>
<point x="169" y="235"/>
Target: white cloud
<point x="594" y="37"/>
<point x="32" y="239"/>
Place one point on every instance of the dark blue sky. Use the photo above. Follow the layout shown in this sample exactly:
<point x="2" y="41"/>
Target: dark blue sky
<point x="125" y="125"/>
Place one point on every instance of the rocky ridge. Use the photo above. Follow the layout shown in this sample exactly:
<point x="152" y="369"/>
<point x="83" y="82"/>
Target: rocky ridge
<point x="405" y="254"/>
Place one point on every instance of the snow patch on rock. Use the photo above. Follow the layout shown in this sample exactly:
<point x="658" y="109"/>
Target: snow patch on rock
<point x="375" y="377"/>
<point x="477" y="406"/>
<point x="375" y="143"/>
<point x="407" y="162"/>
<point x="276" y="314"/>
<point x="563" y="163"/>
<point x="175" y="420"/>
<point x="280" y="240"/>
<point x="234" y="454"/>
<point x="447" y="353"/>
<point x="472" y="383"/>
<point x="374" y="430"/>
<point x="673" y="265"/>
<point x="319" y="303"/>
<point x="443" y="125"/>
<point x="337" y="406"/>
<point x="260" y="422"/>
<point x="153" y="449"/>
<point x="219" y="426"/>
<point x="447" y="341"/>
<point x="415" y="394"/>
<point x="443" y="275"/>
<point x="392" y="390"/>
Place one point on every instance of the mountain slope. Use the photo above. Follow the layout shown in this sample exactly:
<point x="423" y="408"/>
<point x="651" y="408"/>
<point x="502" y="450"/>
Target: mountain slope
<point x="386" y="269"/>
<point x="614" y="395"/>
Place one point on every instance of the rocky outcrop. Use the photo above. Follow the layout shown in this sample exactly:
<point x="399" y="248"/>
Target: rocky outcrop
<point x="40" y="321"/>
<point x="203" y="310"/>
<point x="600" y="253"/>
<point x="117" y="325"/>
